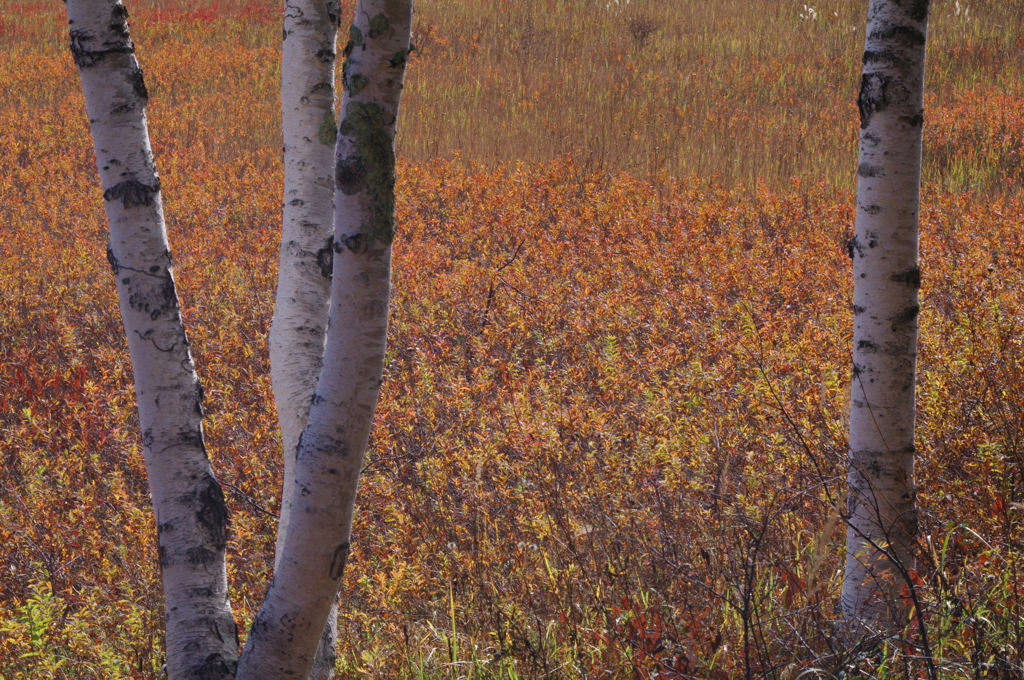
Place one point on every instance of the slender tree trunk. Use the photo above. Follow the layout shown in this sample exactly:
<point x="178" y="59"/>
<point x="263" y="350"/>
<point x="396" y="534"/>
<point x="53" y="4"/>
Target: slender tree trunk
<point x="881" y="511"/>
<point x="299" y="330"/>
<point x="191" y="516"/>
<point x="286" y="631"/>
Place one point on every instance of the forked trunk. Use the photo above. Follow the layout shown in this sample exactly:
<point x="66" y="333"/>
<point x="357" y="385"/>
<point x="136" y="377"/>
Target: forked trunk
<point x="299" y="330"/>
<point x="191" y="516"/>
<point x="881" y="503"/>
<point x="286" y="631"/>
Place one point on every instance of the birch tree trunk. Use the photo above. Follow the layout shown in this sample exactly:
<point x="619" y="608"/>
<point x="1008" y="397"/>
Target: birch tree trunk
<point x="881" y="503"/>
<point x="191" y="516"/>
<point x="285" y="633"/>
<point x="299" y="330"/>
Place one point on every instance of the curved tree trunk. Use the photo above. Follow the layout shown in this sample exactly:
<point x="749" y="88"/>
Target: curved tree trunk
<point x="299" y="330"/>
<point x="190" y="512"/>
<point x="881" y="503"/>
<point x="287" y="629"/>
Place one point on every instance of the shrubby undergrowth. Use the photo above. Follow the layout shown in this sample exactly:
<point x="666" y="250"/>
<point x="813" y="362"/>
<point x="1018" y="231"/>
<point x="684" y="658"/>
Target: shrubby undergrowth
<point x="611" y="438"/>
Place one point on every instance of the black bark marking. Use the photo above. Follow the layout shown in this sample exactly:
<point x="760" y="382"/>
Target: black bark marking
<point x="338" y="561"/>
<point x="154" y="301"/>
<point x="212" y="512"/>
<point x="868" y="170"/>
<point x="199" y="396"/>
<point x="357" y="243"/>
<point x="908" y="36"/>
<point x="872" y="209"/>
<point x="911" y="277"/>
<point x="873" y="95"/>
<point x="867" y="346"/>
<point x="87" y="58"/>
<point x="917" y="120"/>
<point x="854" y="247"/>
<point x="918" y="9"/>
<point x="148" y="336"/>
<point x="884" y="58"/>
<point x="215" y="667"/>
<point x="325" y="56"/>
<point x="168" y="293"/>
<point x="192" y="438"/>
<point x="132" y="192"/>
<point x="906" y="316"/>
<point x="344" y="70"/>
<point x="333" y="12"/>
<point x="138" y="83"/>
<point x="119" y="21"/>
<point x="114" y="266"/>
<point x="857" y="309"/>
<point x="325" y="259"/>
<point x="201" y="555"/>
<point x="322" y="88"/>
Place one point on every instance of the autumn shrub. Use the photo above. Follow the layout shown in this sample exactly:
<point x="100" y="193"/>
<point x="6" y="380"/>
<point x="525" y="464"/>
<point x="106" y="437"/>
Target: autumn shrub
<point x="611" y="440"/>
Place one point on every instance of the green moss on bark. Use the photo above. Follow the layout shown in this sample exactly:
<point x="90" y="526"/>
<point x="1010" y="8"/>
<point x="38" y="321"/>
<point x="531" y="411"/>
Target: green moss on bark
<point x="374" y="150"/>
<point x="378" y="25"/>
<point x="328" y="131"/>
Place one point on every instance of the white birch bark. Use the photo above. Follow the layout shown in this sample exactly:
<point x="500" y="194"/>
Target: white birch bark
<point x="299" y="330"/>
<point x="191" y="516"/>
<point x="881" y="502"/>
<point x="285" y="633"/>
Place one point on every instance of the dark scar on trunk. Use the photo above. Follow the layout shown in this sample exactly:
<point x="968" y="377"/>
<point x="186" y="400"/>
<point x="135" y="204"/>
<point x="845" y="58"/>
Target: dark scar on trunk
<point x="325" y="259"/>
<point x="132" y="192"/>
<point x="212" y="513"/>
<point x="911" y="277"/>
<point x="338" y="561"/>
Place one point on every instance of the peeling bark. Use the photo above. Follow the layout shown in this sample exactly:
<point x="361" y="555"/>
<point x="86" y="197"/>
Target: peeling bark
<point x="881" y="504"/>
<point x="191" y="515"/>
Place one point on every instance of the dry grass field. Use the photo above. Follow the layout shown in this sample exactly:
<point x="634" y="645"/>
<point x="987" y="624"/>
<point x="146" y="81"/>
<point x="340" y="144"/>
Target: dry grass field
<point x="611" y="438"/>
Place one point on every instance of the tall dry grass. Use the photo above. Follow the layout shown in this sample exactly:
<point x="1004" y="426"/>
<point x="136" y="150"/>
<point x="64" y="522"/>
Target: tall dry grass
<point x="733" y="91"/>
<point x="736" y="90"/>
